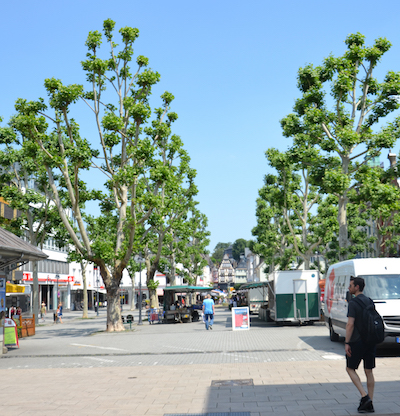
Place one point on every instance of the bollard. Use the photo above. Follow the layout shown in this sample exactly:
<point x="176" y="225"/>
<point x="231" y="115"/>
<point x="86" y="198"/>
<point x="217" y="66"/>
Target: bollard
<point x="129" y="319"/>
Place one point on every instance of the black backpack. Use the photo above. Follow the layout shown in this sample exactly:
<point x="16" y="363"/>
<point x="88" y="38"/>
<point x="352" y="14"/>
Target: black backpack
<point x="372" y="329"/>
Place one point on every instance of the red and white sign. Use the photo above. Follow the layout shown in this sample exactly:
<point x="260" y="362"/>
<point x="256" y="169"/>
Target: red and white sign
<point x="28" y="277"/>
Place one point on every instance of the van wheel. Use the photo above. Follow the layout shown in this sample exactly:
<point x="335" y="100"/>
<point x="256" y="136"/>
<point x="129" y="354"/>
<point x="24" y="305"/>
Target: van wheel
<point x="334" y="337"/>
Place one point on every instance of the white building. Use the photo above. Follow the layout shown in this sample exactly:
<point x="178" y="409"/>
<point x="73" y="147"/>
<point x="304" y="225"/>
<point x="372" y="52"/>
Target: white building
<point x="255" y="267"/>
<point x="226" y="273"/>
<point x="241" y="271"/>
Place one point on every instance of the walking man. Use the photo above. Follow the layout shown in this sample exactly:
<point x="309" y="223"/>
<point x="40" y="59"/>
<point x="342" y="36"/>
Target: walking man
<point x="208" y="311"/>
<point x="356" y="350"/>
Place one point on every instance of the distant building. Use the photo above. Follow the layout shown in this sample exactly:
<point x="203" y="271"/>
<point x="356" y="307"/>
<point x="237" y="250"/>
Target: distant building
<point x="226" y="273"/>
<point x="241" y="271"/>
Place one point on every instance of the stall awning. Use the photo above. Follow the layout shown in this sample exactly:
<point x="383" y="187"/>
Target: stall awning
<point x="252" y="285"/>
<point x="11" y="288"/>
<point x="186" y="289"/>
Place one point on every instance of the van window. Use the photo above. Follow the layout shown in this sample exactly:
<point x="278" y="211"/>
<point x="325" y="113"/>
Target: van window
<point x="386" y="286"/>
<point x="339" y="286"/>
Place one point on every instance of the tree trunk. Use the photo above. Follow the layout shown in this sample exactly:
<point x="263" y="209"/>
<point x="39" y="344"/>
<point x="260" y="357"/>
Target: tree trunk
<point x="342" y="215"/>
<point x="151" y="272"/>
<point x="343" y="233"/>
<point x="114" y="321"/>
<point x="306" y="262"/>
<point x="172" y="276"/>
<point x="153" y="298"/>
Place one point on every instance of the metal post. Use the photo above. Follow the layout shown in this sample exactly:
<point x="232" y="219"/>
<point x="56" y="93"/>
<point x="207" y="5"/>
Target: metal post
<point x="97" y="295"/>
<point x="48" y="294"/>
<point x="140" y="293"/>
<point x="57" y="277"/>
<point x="55" y="301"/>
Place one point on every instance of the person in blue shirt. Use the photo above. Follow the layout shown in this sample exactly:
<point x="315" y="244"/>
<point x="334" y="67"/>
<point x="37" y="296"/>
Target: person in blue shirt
<point x="208" y="311"/>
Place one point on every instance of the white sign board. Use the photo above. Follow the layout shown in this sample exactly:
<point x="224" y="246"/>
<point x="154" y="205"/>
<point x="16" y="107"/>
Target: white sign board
<point x="240" y="318"/>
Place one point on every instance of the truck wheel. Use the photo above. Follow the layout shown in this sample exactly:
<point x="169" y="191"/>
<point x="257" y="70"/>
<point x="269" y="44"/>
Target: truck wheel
<point x="334" y="337"/>
<point x="269" y="319"/>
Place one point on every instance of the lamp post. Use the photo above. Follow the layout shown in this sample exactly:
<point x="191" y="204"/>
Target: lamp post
<point x="55" y="301"/>
<point x="97" y="295"/>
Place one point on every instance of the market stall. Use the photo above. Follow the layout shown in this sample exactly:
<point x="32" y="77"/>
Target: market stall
<point x="180" y="304"/>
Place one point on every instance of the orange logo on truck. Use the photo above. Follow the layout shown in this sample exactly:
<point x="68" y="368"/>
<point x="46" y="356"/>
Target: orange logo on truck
<point x="329" y="291"/>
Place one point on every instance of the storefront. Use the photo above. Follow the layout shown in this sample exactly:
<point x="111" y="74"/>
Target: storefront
<point x="52" y="287"/>
<point x="14" y="253"/>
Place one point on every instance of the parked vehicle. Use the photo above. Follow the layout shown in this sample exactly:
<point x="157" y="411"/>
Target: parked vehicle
<point x="294" y="296"/>
<point x="256" y="295"/>
<point x="382" y="285"/>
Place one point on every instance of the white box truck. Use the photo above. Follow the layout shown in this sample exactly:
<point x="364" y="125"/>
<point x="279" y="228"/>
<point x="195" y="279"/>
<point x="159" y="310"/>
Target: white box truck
<point x="294" y="296"/>
<point x="382" y="285"/>
<point x="256" y="295"/>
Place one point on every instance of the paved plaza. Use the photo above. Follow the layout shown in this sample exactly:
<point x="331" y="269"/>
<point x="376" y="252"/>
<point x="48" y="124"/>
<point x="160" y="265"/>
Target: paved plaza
<point x="76" y="368"/>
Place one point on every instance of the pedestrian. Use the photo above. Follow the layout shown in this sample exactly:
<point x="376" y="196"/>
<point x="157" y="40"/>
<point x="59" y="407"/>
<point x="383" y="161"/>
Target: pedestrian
<point x="59" y="312"/>
<point x="208" y="311"/>
<point x="234" y="303"/>
<point x="356" y="350"/>
<point x="43" y="310"/>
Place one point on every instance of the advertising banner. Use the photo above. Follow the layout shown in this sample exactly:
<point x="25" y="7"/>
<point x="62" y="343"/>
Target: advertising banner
<point x="240" y="318"/>
<point x="10" y="333"/>
<point x="2" y="294"/>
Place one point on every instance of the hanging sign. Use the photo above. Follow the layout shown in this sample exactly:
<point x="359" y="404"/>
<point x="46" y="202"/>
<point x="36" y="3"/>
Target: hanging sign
<point x="10" y="333"/>
<point x="2" y="294"/>
<point x="240" y="318"/>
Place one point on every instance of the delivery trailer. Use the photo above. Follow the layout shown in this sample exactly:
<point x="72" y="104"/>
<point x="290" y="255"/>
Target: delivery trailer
<point x="294" y="296"/>
<point x="256" y="295"/>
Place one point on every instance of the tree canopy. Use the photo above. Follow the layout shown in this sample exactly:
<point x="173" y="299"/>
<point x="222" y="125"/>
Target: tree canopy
<point x="341" y="111"/>
<point x="137" y="155"/>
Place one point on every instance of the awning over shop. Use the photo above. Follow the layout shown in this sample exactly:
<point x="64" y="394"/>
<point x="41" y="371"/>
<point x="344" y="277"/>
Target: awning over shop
<point x="15" y="252"/>
<point x="10" y="288"/>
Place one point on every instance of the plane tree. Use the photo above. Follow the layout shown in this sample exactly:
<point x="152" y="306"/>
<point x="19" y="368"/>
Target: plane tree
<point x="272" y="236"/>
<point x="125" y="159"/>
<point x="378" y="196"/>
<point x="22" y="186"/>
<point x="342" y="110"/>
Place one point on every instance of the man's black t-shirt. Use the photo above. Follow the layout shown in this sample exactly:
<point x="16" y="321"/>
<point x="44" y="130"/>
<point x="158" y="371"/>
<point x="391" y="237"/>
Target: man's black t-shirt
<point x="355" y="311"/>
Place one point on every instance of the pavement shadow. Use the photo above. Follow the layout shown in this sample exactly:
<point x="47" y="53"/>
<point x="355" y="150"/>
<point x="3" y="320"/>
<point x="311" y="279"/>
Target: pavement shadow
<point x="323" y="343"/>
<point x="307" y="399"/>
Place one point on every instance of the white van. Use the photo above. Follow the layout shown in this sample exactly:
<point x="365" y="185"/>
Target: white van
<point x="382" y="285"/>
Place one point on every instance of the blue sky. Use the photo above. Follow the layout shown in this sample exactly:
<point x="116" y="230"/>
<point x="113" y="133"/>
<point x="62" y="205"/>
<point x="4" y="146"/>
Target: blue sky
<point x="231" y="66"/>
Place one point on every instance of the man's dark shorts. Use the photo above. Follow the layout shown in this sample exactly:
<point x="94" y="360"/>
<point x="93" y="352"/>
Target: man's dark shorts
<point x="359" y="352"/>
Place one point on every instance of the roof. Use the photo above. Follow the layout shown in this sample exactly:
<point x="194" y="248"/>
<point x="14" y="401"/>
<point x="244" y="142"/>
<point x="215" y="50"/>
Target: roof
<point x="15" y="250"/>
<point x="184" y="288"/>
<point x="242" y="263"/>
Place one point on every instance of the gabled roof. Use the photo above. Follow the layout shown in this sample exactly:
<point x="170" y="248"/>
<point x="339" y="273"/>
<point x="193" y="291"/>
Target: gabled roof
<point x="242" y="263"/>
<point x="15" y="250"/>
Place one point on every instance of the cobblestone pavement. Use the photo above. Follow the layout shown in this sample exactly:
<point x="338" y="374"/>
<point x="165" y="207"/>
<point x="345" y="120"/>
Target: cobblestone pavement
<point x="76" y="368"/>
